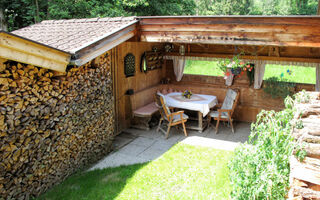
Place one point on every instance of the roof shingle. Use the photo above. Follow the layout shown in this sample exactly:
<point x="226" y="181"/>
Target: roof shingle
<point x="73" y="34"/>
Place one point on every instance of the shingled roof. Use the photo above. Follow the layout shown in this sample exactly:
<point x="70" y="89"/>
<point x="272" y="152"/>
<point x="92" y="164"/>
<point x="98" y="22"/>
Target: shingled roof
<point x="74" y="34"/>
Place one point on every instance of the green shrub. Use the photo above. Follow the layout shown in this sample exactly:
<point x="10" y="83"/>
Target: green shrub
<point x="260" y="167"/>
<point x="278" y="87"/>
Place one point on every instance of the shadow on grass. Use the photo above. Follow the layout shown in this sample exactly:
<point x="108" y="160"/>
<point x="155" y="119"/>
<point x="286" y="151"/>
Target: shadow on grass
<point x="92" y="185"/>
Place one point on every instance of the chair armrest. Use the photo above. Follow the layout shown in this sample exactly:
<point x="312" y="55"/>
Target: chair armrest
<point x="224" y="110"/>
<point x="177" y="113"/>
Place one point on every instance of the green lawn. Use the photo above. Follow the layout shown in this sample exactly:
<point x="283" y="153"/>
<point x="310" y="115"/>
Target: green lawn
<point x="298" y="75"/>
<point x="183" y="172"/>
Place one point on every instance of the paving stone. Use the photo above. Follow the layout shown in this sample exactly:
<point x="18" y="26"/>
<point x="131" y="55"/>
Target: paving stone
<point x="120" y="142"/>
<point x="152" y="153"/>
<point x="143" y="141"/>
<point x="118" y="159"/>
<point x="145" y="146"/>
<point x="132" y="149"/>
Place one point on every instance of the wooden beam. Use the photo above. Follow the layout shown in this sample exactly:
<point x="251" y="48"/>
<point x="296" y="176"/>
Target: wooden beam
<point x="255" y="20"/>
<point x="23" y="57"/>
<point x="295" y="31"/>
<point x="269" y="39"/>
<point x="246" y="28"/>
<point x="288" y="59"/>
<point x="25" y="51"/>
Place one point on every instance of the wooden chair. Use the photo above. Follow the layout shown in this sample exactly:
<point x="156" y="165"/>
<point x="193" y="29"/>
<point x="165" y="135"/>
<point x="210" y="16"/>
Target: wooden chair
<point x="172" y="119"/>
<point x="227" y="109"/>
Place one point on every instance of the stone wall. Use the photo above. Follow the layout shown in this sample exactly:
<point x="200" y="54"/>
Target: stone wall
<point x="51" y="124"/>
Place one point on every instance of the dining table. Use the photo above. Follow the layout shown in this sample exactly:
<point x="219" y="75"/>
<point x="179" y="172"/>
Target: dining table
<point x="197" y="102"/>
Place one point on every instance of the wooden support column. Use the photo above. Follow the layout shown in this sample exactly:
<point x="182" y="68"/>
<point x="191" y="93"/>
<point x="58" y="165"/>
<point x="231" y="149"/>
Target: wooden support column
<point x="317" y="78"/>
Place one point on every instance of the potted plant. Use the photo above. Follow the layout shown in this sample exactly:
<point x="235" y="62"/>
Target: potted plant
<point x="234" y="66"/>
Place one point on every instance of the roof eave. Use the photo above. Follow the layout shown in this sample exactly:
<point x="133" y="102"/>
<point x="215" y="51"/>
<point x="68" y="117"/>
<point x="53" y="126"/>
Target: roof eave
<point x="98" y="47"/>
<point x="17" y="48"/>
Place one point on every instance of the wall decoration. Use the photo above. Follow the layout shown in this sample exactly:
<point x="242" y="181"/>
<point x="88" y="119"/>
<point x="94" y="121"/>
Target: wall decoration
<point x="168" y="47"/>
<point x="143" y="63"/>
<point x="182" y="50"/>
<point x="154" y="60"/>
<point x="129" y="65"/>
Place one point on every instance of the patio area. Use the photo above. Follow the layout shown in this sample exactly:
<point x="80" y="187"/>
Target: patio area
<point x="138" y="146"/>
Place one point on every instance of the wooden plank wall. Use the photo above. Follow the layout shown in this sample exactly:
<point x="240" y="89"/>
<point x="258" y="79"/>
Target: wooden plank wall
<point x="143" y="84"/>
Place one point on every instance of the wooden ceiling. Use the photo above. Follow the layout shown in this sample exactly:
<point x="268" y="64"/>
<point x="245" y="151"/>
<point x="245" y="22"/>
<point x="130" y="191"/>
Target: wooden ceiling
<point x="281" y="31"/>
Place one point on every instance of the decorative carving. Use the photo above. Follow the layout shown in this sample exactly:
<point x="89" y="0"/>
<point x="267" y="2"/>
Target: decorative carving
<point x="129" y="65"/>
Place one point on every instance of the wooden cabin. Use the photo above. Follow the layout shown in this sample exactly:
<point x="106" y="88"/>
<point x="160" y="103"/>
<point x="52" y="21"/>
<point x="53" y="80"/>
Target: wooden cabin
<point x="74" y="84"/>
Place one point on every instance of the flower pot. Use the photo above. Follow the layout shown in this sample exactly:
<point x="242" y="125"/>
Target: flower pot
<point x="236" y="71"/>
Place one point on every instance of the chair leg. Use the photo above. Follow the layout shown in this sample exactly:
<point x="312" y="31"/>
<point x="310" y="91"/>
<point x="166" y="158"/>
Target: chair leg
<point x="159" y="125"/>
<point x="217" y="125"/>
<point x="231" y="125"/>
<point x="209" y="120"/>
<point x="168" y="130"/>
<point x="184" y="129"/>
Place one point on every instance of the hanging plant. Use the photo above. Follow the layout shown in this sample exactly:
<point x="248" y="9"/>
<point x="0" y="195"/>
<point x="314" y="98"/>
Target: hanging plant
<point x="233" y="66"/>
<point x="250" y="73"/>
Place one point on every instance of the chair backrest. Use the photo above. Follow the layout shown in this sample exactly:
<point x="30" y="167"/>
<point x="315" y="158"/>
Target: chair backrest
<point x="161" y="104"/>
<point x="230" y="100"/>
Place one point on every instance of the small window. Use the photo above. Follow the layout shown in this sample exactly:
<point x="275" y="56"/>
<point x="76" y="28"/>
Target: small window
<point x="200" y="67"/>
<point x="294" y="74"/>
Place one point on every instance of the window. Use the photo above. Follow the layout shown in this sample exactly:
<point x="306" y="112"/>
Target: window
<point x="200" y="67"/>
<point x="294" y="74"/>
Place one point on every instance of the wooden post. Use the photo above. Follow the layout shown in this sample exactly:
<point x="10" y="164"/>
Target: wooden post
<point x="318" y="66"/>
<point x="317" y="78"/>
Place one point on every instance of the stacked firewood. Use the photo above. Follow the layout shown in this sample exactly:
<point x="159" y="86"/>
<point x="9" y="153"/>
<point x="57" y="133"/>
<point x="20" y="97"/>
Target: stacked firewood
<point x="305" y="172"/>
<point x="52" y="124"/>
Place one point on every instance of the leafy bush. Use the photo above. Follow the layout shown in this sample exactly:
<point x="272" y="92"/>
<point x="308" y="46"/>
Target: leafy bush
<point x="260" y="167"/>
<point x="278" y="87"/>
<point x="302" y="97"/>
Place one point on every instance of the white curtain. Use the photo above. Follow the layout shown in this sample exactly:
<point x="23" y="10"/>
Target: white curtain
<point x="259" y="69"/>
<point x="178" y="66"/>
<point x="318" y="78"/>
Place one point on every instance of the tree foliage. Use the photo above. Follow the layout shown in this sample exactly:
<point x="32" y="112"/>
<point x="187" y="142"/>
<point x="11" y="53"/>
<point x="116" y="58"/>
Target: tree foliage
<point x="21" y="13"/>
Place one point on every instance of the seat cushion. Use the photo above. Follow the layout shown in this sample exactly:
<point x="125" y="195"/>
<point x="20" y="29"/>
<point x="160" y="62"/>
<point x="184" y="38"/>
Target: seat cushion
<point x="146" y="110"/>
<point x="177" y="118"/>
<point x="214" y="114"/>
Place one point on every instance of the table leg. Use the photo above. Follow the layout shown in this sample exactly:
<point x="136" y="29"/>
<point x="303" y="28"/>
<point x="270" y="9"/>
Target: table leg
<point x="200" y="124"/>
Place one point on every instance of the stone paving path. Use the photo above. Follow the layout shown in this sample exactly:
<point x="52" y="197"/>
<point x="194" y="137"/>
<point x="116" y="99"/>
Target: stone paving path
<point x="139" y="146"/>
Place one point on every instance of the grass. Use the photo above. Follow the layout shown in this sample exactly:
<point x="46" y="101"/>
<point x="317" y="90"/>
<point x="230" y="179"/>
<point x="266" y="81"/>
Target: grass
<point x="299" y="74"/>
<point x="183" y="172"/>
<point x="199" y="67"/>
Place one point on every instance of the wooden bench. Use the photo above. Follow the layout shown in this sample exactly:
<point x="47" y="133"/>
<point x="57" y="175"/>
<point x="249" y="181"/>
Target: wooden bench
<point x="142" y="116"/>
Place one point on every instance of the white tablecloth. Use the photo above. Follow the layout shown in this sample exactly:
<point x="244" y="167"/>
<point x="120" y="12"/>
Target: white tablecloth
<point x="198" y="102"/>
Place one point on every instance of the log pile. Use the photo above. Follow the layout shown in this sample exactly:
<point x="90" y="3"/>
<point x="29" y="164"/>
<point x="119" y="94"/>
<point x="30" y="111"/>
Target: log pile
<point x="305" y="174"/>
<point x="52" y="124"/>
